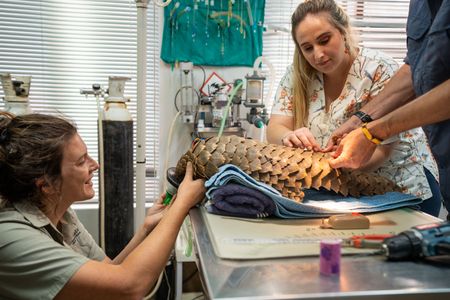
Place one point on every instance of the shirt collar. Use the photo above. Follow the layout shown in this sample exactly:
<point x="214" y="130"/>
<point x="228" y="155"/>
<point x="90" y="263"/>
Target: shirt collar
<point x="39" y="220"/>
<point x="33" y="214"/>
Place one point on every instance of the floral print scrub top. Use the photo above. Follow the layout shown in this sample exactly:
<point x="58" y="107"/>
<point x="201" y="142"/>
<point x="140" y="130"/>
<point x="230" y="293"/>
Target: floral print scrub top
<point x="367" y="76"/>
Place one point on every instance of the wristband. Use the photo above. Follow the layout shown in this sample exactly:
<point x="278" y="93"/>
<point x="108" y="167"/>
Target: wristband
<point x="365" y="118"/>
<point x="369" y="136"/>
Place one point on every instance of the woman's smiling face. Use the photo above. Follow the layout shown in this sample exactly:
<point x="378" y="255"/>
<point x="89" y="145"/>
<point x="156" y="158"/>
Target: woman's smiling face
<point x="77" y="170"/>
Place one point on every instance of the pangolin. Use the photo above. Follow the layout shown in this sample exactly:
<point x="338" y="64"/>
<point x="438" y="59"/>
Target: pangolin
<point x="288" y="170"/>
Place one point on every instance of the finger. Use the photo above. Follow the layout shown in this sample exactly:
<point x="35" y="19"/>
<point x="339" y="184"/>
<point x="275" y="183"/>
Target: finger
<point x="202" y="186"/>
<point x="286" y="139"/>
<point x="329" y="147"/>
<point x="337" y="163"/>
<point x="330" y="142"/>
<point x="338" y="151"/>
<point x="313" y="143"/>
<point x="161" y="198"/>
<point x="338" y="160"/>
<point x="287" y="143"/>
<point x="308" y="140"/>
<point x="306" y="143"/>
<point x="189" y="171"/>
<point x="296" y="141"/>
<point x="292" y="141"/>
<point x="343" y="160"/>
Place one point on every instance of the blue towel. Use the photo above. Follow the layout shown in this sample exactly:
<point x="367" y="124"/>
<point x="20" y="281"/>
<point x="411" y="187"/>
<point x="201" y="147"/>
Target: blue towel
<point x="315" y="203"/>
<point x="240" y="201"/>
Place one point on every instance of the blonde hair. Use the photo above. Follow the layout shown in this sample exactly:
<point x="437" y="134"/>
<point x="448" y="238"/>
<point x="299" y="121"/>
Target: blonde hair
<point x="303" y="71"/>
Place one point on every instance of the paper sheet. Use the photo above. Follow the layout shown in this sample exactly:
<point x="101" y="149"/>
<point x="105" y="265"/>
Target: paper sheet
<point x="237" y="238"/>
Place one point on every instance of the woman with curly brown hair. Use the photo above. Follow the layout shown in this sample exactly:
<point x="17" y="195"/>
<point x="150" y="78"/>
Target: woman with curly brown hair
<point x="45" y="252"/>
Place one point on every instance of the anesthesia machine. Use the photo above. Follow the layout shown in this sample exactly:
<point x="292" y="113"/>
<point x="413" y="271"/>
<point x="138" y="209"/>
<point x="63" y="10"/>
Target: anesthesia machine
<point x="220" y="107"/>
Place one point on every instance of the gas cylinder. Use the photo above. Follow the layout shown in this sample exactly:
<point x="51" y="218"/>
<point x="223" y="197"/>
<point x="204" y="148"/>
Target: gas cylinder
<point x="116" y="215"/>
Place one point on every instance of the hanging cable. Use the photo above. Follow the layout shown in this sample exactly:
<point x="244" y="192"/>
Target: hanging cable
<point x="178" y="92"/>
<point x="227" y="108"/>
<point x="155" y="288"/>
<point x="169" y="141"/>
<point x="204" y="73"/>
<point x="161" y="3"/>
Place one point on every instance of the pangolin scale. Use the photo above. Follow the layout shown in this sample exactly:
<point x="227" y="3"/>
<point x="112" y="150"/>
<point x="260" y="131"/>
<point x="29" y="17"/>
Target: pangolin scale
<point x="289" y="170"/>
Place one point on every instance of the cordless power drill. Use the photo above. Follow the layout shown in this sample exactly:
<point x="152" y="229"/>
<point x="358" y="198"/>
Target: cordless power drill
<point x="419" y="242"/>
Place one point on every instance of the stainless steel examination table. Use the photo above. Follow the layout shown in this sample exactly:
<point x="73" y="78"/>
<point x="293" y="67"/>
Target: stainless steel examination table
<point x="361" y="277"/>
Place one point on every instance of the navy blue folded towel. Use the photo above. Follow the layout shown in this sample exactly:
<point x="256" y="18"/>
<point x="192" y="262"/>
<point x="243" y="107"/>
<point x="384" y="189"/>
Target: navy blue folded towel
<point x="238" y="200"/>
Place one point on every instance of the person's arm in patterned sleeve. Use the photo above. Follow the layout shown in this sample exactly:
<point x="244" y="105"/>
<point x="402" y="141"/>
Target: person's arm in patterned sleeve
<point x="281" y="119"/>
<point x="281" y="129"/>
<point x="398" y="91"/>
<point x="429" y="108"/>
<point x="380" y="78"/>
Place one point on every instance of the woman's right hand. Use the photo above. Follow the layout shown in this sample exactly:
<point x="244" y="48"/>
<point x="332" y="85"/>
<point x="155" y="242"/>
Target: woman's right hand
<point x="336" y="137"/>
<point x="190" y="192"/>
<point x="301" y="138"/>
<point x="353" y="151"/>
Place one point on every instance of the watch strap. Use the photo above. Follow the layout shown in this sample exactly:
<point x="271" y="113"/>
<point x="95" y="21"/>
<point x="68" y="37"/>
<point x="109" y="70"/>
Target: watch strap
<point x="365" y="118"/>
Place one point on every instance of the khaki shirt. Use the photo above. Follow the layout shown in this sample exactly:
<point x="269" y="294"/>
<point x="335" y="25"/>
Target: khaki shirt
<point x="37" y="259"/>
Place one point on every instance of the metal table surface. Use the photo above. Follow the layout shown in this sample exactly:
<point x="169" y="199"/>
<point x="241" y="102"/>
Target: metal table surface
<point x="362" y="277"/>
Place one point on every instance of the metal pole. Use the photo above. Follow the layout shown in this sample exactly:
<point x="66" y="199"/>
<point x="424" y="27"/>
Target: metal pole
<point x="141" y="111"/>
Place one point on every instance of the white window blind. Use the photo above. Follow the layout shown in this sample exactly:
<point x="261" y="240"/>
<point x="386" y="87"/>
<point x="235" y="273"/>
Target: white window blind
<point x="67" y="45"/>
<point x="380" y="24"/>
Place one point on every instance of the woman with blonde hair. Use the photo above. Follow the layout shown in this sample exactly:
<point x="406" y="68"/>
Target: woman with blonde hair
<point x="330" y="79"/>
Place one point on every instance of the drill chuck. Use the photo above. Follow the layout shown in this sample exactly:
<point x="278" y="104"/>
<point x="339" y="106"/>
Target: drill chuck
<point x="406" y="245"/>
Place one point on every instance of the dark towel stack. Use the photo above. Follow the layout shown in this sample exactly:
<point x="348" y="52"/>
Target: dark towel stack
<point x="240" y="201"/>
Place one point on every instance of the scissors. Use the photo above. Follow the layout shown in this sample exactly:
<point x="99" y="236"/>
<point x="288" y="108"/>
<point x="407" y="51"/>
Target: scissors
<point x="365" y="241"/>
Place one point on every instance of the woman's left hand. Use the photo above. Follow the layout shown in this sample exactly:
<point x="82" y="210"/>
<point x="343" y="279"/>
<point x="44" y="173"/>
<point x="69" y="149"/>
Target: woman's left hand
<point x="301" y="138"/>
<point x="155" y="213"/>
